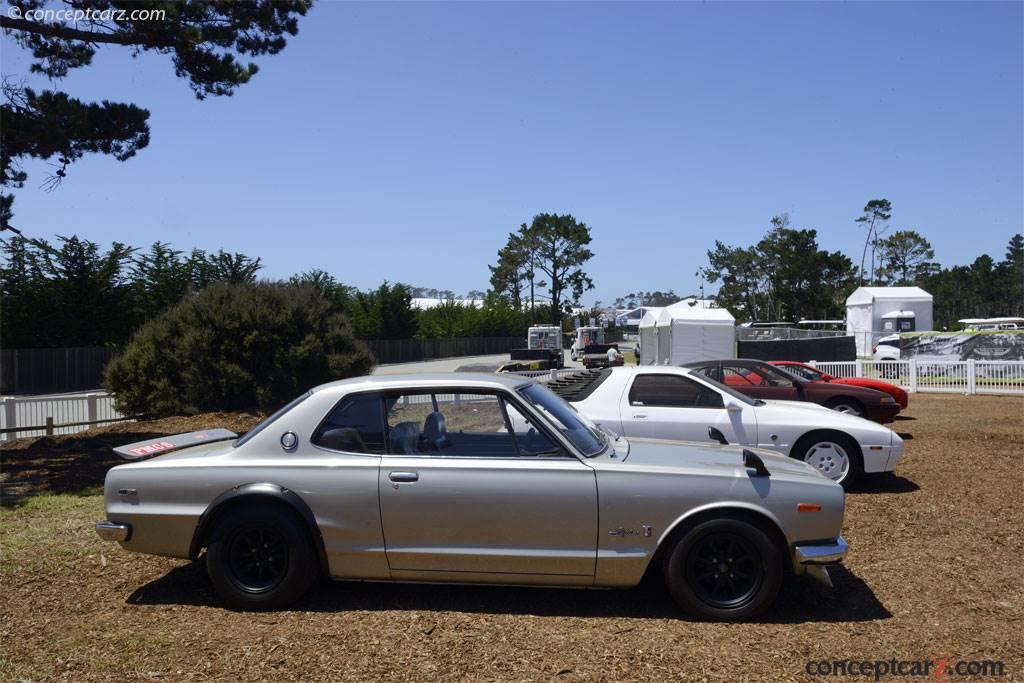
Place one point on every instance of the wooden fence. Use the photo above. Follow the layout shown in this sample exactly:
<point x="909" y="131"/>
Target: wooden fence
<point x="49" y="371"/>
<point x="52" y="371"/>
<point x="412" y="350"/>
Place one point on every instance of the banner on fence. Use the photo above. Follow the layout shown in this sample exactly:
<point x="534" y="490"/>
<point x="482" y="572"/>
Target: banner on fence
<point x="979" y="346"/>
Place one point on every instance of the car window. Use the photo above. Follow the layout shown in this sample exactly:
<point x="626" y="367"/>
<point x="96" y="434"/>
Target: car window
<point x="764" y="376"/>
<point x="355" y="425"/>
<point x="530" y="440"/>
<point x="741" y="377"/>
<point x="731" y="391"/>
<point x="583" y="433"/>
<point x="463" y="424"/>
<point x="672" y="391"/>
<point x="806" y="373"/>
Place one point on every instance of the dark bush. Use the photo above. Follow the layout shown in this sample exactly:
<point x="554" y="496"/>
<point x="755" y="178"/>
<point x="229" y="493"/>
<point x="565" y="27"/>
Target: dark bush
<point x="235" y="347"/>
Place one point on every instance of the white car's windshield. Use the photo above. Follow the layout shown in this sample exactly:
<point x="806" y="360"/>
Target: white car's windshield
<point x="583" y="433"/>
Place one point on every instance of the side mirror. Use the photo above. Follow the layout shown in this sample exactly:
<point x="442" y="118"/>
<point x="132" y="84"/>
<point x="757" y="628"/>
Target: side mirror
<point x="751" y="460"/>
<point x="717" y="435"/>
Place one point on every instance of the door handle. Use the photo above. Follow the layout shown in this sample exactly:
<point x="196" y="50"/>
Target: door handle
<point x="639" y="416"/>
<point x="404" y="476"/>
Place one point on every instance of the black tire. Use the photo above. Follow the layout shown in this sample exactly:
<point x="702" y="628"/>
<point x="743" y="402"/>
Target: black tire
<point x="697" y="579"/>
<point x="844" y="404"/>
<point x="855" y="470"/>
<point x="250" y="577"/>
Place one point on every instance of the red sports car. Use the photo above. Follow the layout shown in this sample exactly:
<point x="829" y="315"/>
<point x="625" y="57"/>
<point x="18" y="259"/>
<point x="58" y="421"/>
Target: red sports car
<point x="815" y="375"/>
<point x="760" y="379"/>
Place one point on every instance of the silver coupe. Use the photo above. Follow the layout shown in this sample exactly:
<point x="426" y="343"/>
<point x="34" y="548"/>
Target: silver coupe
<point x="471" y="479"/>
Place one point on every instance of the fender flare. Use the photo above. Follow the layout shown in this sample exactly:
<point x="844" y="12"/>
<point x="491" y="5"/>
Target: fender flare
<point x="256" y="491"/>
<point x="726" y="506"/>
<point x="722" y="506"/>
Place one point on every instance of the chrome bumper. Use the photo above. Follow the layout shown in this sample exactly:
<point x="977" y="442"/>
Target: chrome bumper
<point x="111" y="531"/>
<point x="816" y="558"/>
<point x="822" y="553"/>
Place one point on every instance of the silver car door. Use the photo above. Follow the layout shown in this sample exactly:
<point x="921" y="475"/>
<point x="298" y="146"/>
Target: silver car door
<point x="672" y="406"/>
<point x="458" y="501"/>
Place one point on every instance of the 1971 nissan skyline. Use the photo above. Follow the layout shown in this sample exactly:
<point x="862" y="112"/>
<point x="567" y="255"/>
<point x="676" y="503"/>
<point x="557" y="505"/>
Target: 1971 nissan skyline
<point x="472" y="479"/>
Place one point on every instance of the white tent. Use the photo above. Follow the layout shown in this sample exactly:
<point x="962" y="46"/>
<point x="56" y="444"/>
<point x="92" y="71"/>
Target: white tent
<point x="688" y="333"/>
<point x="648" y="338"/>
<point x="875" y="312"/>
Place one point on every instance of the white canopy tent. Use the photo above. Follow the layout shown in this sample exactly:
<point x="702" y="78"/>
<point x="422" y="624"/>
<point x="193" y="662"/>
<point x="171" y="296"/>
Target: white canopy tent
<point x="875" y="312"/>
<point x="649" y="338"/>
<point x="688" y="333"/>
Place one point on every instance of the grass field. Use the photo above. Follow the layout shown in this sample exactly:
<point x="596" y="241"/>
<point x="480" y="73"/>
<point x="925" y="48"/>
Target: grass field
<point x="934" y="569"/>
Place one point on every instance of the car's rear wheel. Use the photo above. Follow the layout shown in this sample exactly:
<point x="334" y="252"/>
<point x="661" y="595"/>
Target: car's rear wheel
<point x="259" y="557"/>
<point x="835" y="456"/>
<point x="724" y="570"/>
<point x="846" y="405"/>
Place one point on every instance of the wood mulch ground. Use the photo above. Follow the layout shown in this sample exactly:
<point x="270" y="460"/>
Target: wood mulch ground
<point x="934" y="570"/>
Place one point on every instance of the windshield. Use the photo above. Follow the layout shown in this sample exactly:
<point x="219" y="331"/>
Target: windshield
<point x="781" y="375"/>
<point x="805" y="372"/>
<point x="583" y="433"/>
<point x="725" y="389"/>
<point x="266" y="423"/>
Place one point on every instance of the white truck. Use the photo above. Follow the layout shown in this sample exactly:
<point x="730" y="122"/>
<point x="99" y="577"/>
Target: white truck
<point x="543" y="349"/>
<point x="586" y="336"/>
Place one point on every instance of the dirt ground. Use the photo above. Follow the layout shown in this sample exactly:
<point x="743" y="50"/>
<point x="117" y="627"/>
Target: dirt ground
<point x="934" y="570"/>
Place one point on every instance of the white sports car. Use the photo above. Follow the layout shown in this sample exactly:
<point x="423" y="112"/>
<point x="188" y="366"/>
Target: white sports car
<point x="665" y="402"/>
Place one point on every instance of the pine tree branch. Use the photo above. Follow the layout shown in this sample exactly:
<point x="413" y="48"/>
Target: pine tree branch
<point x="56" y="31"/>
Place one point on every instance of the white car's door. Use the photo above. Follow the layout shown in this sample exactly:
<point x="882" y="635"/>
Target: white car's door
<point x="673" y="406"/>
<point x="469" y="491"/>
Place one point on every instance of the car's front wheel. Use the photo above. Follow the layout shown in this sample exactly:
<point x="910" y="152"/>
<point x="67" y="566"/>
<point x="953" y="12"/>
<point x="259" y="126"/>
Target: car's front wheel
<point x="846" y="405"/>
<point x="834" y="455"/>
<point x="724" y="569"/>
<point x="259" y="558"/>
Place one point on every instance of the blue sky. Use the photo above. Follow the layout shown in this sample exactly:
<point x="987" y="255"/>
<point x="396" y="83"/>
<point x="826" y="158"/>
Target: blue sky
<point x="403" y="141"/>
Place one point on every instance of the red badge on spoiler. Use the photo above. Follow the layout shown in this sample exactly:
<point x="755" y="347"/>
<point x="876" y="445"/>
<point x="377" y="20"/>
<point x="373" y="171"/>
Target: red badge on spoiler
<point x="152" y="448"/>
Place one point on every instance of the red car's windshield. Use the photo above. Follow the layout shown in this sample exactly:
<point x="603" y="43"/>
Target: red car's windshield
<point x="805" y="372"/>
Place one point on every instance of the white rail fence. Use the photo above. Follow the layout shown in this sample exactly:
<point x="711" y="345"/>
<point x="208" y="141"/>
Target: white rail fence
<point x="953" y="377"/>
<point x="46" y="415"/>
<point x="36" y="416"/>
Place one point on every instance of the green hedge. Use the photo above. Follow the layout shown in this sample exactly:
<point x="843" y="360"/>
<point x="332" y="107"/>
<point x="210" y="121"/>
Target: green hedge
<point x="235" y="347"/>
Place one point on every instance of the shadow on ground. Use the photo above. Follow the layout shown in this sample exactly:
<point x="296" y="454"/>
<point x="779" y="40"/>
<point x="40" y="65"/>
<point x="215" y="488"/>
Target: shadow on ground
<point x="64" y="464"/>
<point x="885" y="482"/>
<point x="801" y="599"/>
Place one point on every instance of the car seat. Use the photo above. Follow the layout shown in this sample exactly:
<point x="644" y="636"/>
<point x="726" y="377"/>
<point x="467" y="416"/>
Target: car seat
<point x="435" y="433"/>
<point x="403" y="438"/>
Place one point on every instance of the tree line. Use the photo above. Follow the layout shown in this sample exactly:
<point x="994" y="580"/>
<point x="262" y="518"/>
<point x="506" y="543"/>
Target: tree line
<point x="787" y="276"/>
<point x="74" y="293"/>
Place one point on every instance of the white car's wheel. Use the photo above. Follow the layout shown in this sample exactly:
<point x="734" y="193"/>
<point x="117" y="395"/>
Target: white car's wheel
<point x="833" y="455"/>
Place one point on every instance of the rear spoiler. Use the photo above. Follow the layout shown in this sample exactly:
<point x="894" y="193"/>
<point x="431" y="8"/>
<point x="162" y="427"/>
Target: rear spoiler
<point x="140" y="450"/>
